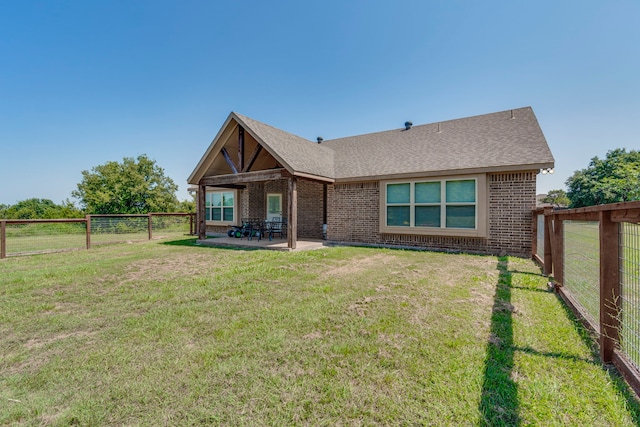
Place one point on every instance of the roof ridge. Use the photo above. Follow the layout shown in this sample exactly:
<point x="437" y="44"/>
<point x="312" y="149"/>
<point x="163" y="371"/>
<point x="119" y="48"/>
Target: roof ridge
<point x="428" y="124"/>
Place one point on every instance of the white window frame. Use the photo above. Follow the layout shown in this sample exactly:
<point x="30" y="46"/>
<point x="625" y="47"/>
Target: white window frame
<point x="210" y="209"/>
<point x="481" y="203"/>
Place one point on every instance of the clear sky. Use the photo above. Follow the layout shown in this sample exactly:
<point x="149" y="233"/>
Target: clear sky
<point x="85" y="82"/>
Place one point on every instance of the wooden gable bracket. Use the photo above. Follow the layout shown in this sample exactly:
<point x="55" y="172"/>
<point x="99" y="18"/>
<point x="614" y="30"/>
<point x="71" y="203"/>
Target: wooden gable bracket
<point x="253" y="158"/>
<point x="230" y="162"/>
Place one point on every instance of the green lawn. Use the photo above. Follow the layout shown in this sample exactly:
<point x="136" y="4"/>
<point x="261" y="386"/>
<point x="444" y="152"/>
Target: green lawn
<point x="168" y="333"/>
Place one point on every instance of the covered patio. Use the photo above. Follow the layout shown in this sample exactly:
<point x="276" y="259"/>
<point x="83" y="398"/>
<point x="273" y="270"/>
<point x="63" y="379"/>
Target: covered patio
<point x="252" y="170"/>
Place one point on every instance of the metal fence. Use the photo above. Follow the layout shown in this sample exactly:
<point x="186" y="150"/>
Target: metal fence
<point x="630" y="291"/>
<point x="26" y="237"/>
<point x="582" y="265"/>
<point x="594" y="256"/>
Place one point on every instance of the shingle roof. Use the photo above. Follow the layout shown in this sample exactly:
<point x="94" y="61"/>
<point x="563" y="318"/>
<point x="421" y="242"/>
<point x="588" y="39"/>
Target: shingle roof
<point x="491" y="141"/>
<point x="504" y="141"/>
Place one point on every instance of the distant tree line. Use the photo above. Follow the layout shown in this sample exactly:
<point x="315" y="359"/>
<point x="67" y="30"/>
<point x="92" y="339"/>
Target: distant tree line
<point x="134" y="186"/>
<point x="614" y="179"/>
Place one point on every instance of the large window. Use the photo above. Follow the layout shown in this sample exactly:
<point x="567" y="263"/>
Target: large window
<point x="220" y="206"/>
<point x="441" y="204"/>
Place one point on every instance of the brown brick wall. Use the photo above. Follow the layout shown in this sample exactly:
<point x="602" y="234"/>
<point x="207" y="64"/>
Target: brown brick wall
<point x="354" y="215"/>
<point x="512" y="197"/>
<point x="310" y="209"/>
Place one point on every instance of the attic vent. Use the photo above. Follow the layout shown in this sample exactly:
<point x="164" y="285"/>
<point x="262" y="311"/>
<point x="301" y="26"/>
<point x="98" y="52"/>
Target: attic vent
<point x="320" y="139"/>
<point x="407" y="125"/>
<point x="512" y="116"/>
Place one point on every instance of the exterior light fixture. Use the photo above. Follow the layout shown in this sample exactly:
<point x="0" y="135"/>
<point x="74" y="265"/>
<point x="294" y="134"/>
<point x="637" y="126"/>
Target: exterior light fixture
<point x="546" y="171"/>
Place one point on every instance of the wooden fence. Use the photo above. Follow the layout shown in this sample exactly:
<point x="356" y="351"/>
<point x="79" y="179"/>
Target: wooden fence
<point x="30" y="236"/>
<point x="593" y="256"/>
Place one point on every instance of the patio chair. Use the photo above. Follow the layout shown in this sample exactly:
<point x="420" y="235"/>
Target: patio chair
<point x="278" y="227"/>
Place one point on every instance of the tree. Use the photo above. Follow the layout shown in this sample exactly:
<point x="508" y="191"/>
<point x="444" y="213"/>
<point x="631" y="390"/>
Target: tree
<point x="616" y="178"/>
<point x="134" y="186"/>
<point x="40" y="209"/>
<point x="557" y="198"/>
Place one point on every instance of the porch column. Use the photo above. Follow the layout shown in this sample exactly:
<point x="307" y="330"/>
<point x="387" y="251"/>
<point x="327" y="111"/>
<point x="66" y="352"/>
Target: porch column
<point x="202" y="199"/>
<point x="292" y="208"/>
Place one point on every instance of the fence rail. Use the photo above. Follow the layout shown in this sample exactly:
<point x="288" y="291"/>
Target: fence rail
<point x="26" y="237"/>
<point x="593" y="254"/>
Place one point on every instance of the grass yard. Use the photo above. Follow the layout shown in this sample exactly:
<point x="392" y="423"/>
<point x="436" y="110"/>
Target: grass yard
<point x="168" y="333"/>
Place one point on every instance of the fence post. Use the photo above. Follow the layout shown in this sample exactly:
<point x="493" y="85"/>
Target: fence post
<point x="548" y="249"/>
<point x="3" y="239"/>
<point x="87" y="219"/>
<point x="609" y="286"/>
<point x="150" y="225"/>
<point x="558" y="250"/>
<point x="534" y="234"/>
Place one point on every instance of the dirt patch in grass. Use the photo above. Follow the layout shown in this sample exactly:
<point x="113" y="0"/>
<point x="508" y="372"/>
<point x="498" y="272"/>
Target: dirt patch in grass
<point x="357" y="265"/>
<point x="167" y="268"/>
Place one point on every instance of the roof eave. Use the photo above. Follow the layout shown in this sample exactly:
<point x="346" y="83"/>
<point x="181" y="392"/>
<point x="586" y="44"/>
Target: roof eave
<point x="449" y="172"/>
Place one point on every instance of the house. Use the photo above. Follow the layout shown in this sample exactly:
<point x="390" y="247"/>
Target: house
<point x="461" y="185"/>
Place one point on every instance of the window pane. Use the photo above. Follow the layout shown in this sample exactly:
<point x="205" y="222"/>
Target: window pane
<point x="207" y="214"/>
<point x="427" y="192"/>
<point x="398" y="216"/>
<point x="427" y="216"/>
<point x="461" y="191"/>
<point x="207" y="199"/>
<point x="228" y="214"/>
<point x="398" y="193"/>
<point x="461" y="216"/>
<point x="228" y="199"/>
<point x="273" y="204"/>
<point x="215" y="213"/>
<point x="216" y="199"/>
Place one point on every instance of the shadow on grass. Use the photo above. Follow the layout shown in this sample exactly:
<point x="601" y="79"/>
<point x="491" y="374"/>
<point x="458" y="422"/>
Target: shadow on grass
<point x="191" y="241"/>
<point x="590" y="339"/>
<point x="499" y="404"/>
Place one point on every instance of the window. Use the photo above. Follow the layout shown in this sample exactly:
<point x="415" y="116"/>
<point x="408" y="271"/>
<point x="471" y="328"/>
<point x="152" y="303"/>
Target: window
<point x="220" y="206"/>
<point x="446" y="206"/>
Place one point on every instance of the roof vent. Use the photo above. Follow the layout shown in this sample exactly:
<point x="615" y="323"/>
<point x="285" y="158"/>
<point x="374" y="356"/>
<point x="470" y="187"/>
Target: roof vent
<point x="320" y="139"/>
<point x="407" y="125"/>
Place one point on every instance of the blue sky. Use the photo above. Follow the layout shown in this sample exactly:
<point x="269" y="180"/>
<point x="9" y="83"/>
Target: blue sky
<point x="85" y="82"/>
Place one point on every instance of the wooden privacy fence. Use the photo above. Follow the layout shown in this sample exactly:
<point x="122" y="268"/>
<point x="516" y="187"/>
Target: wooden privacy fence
<point x="31" y="236"/>
<point x="593" y="254"/>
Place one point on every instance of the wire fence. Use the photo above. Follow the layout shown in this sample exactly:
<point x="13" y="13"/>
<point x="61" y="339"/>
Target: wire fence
<point x="27" y="237"/>
<point x="594" y="255"/>
<point x="630" y="292"/>
<point x="582" y="265"/>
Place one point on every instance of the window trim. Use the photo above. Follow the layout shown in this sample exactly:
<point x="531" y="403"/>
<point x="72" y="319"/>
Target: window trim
<point x="236" y="206"/>
<point x="481" y="205"/>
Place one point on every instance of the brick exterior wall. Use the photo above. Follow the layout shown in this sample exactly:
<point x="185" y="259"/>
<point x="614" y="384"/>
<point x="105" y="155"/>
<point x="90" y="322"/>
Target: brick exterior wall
<point x="354" y="216"/>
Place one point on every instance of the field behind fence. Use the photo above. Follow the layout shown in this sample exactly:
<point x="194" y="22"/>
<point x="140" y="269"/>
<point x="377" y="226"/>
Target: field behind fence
<point x="26" y="237"/>
<point x="594" y="256"/>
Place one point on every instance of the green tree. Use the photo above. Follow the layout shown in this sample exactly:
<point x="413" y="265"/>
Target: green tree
<point x="134" y="186"/>
<point x="616" y="178"/>
<point x="40" y="209"/>
<point x="557" y="198"/>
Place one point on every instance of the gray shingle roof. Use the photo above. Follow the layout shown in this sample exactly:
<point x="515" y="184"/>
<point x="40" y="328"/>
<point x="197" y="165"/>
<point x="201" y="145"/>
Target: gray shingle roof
<point x="489" y="142"/>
